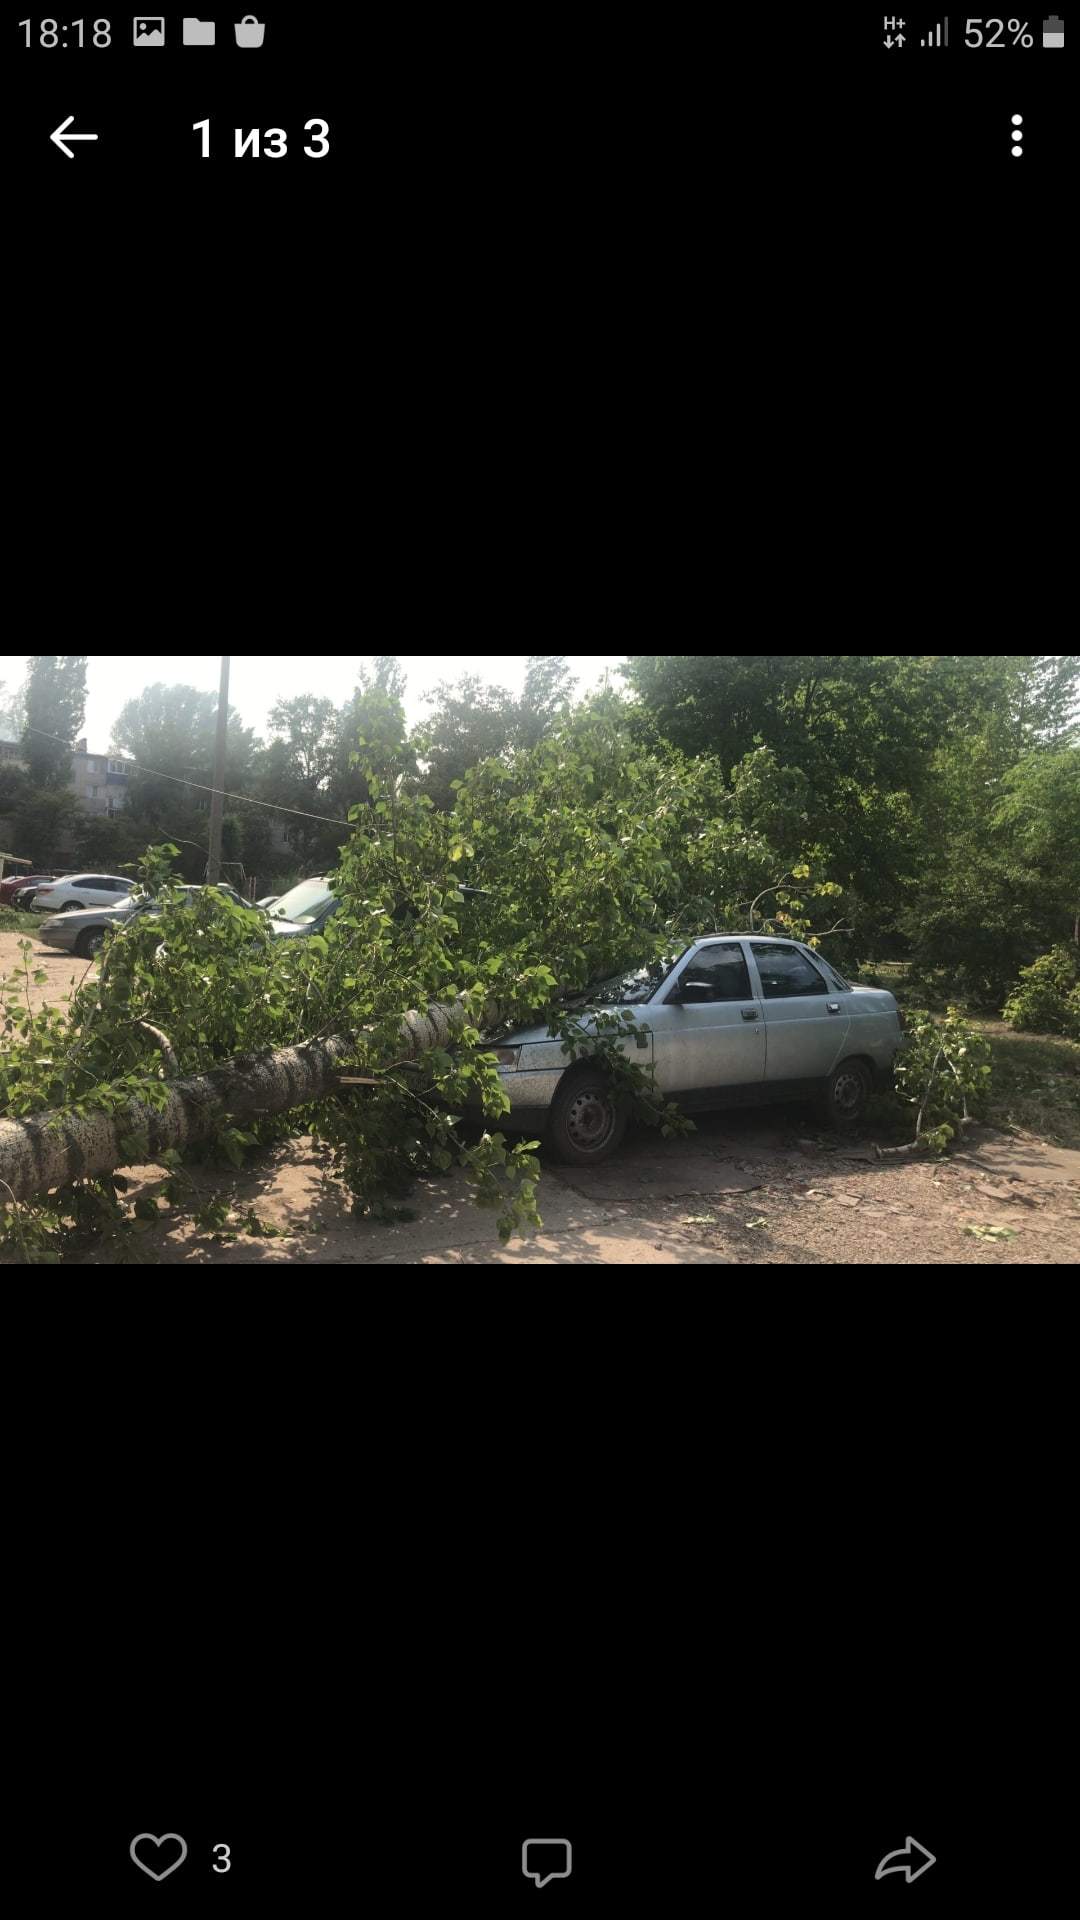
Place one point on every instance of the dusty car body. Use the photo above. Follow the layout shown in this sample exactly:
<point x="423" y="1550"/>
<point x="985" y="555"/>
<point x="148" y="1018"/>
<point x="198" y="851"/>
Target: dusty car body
<point x="735" y="1019"/>
<point x="82" y="932"/>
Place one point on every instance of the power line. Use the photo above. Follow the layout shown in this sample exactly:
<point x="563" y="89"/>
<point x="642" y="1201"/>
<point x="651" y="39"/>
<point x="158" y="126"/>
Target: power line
<point x="245" y="799"/>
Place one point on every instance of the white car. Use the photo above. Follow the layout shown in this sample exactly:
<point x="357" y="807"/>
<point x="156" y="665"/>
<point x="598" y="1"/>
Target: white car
<point x="733" y="1020"/>
<point x="81" y="890"/>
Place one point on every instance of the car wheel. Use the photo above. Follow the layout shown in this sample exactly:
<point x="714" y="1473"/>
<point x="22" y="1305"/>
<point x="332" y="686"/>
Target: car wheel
<point x="846" y="1093"/>
<point x="586" y="1120"/>
<point x="70" y="906"/>
<point x="90" y="942"/>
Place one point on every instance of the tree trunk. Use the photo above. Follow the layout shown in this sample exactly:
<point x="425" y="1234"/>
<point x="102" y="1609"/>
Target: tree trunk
<point x="55" y="1149"/>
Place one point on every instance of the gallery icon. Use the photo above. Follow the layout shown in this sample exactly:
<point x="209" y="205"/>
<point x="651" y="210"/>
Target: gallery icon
<point x="250" y="32"/>
<point x="149" y="30"/>
<point x="199" y="33"/>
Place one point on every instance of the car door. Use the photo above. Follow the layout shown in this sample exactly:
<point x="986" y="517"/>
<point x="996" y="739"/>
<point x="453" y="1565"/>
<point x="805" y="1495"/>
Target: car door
<point x="708" y="1032"/>
<point x="806" y="1025"/>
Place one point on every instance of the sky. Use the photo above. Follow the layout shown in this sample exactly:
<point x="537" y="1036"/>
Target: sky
<point x="257" y="681"/>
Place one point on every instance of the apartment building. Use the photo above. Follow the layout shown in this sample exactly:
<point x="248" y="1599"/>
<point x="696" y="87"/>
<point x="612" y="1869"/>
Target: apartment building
<point x="100" y="782"/>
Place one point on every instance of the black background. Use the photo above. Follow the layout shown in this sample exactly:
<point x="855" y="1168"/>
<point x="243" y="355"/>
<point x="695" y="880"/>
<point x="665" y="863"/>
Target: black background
<point x="183" y="400"/>
<point x="734" y="1596"/>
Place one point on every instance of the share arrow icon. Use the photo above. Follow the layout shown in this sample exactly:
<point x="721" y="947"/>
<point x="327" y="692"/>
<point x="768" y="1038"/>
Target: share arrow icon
<point x="62" y="136"/>
<point x="902" y="1861"/>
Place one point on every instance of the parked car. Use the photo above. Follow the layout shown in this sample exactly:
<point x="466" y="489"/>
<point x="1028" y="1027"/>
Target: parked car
<point x="305" y="909"/>
<point x="15" y="883"/>
<point x="268" y="899"/>
<point x="83" y="931"/>
<point x="81" y="890"/>
<point x="737" y="1019"/>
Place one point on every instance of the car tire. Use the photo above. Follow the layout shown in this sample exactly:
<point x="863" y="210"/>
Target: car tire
<point x="70" y="906"/>
<point x="586" y="1120"/>
<point x="90" y="942"/>
<point x="846" y="1092"/>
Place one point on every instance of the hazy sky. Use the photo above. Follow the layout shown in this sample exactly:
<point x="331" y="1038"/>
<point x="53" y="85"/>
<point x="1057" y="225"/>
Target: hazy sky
<point x="257" y="680"/>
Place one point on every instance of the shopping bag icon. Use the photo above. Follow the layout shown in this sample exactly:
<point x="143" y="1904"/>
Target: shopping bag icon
<point x="249" y="33"/>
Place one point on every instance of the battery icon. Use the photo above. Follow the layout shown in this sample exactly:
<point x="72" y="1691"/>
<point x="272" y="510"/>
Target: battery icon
<point x="1054" y="31"/>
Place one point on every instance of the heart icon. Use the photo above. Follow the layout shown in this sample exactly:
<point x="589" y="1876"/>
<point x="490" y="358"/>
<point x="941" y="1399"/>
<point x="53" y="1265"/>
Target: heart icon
<point x="155" y="1842"/>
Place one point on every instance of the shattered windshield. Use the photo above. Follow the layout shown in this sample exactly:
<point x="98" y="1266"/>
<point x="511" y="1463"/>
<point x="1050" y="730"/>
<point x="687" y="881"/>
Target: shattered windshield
<point x="632" y="987"/>
<point x="302" y="903"/>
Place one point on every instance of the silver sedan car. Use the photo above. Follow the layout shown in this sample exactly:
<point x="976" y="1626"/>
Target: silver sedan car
<point x="737" y="1019"/>
<point x="83" y="933"/>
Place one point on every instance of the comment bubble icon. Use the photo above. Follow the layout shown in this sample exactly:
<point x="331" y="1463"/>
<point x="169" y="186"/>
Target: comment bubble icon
<point x="544" y="1860"/>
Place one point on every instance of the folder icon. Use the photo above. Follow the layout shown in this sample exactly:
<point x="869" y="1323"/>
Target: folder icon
<point x="200" y="33"/>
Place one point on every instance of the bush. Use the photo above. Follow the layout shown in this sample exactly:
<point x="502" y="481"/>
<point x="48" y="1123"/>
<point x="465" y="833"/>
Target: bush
<point x="944" y="1071"/>
<point x="1046" y="998"/>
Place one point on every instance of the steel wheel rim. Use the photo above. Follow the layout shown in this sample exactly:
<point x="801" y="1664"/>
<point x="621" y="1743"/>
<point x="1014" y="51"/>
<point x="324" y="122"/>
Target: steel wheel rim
<point x="590" y="1121"/>
<point x="847" y="1091"/>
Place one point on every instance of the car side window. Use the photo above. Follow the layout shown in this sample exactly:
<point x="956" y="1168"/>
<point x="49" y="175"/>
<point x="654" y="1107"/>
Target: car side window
<point x="785" y="973"/>
<point x="722" y="971"/>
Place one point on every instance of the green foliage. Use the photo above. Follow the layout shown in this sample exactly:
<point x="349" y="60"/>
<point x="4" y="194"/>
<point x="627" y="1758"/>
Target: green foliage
<point x="474" y="722"/>
<point x="54" y="701"/>
<point x="943" y="1071"/>
<point x="1046" y="998"/>
<point x="112" y="845"/>
<point x="45" y="819"/>
<point x="171" y="730"/>
<point x="896" y="762"/>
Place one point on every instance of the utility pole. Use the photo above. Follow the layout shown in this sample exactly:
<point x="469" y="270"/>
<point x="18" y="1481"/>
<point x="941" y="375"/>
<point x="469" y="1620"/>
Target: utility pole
<point x="217" y="797"/>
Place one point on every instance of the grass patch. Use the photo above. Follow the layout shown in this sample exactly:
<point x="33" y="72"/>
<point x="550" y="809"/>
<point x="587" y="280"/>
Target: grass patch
<point x="1034" y="1080"/>
<point x="12" y="922"/>
<point x="1035" y="1083"/>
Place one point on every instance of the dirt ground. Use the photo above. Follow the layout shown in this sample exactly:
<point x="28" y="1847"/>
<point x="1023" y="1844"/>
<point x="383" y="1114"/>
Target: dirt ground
<point x="63" y="970"/>
<point x="754" y="1189"/>
<point x="764" y="1188"/>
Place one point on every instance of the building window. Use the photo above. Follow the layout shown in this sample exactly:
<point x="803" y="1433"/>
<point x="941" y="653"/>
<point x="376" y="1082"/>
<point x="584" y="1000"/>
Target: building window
<point x="118" y="766"/>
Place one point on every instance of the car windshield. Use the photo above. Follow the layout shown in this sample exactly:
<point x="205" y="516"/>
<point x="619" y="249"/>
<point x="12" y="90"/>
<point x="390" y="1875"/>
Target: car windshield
<point x="632" y="987"/>
<point x="302" y="903"/>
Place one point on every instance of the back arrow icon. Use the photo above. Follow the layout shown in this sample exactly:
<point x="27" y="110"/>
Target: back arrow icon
<point x="903" y="1858"/>
<point x="62" y="136"/>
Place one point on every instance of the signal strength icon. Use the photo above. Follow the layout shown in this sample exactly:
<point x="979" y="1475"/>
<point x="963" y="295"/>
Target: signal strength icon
<point x="934" y="37"/>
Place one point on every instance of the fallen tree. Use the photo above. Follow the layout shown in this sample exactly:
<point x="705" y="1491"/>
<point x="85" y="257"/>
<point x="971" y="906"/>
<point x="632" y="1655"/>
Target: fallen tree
<point x="54" y="1149"/>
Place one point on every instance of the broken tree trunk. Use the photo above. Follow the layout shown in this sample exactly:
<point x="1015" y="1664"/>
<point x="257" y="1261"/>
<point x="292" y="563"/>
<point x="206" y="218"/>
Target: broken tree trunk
<point x="54" y="1149"/>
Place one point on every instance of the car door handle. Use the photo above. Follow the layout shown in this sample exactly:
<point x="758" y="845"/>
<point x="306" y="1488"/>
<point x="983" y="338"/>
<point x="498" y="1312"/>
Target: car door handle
<point x="833" y="1006"/>
<point x="749" y="1013"/>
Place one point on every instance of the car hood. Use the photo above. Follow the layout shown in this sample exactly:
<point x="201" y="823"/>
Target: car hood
<point x="529" y="1036"/>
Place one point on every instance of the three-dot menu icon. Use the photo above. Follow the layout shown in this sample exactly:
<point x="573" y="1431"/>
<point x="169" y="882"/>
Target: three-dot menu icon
<point x="1018" y="136"/>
